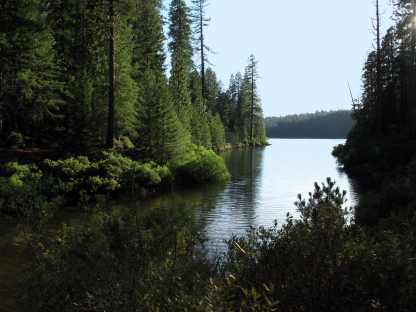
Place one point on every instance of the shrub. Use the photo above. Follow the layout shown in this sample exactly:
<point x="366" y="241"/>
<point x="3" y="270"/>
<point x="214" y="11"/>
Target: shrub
<point x="119" y="262"/>
<point x="22" y="189"/>
<point x="322" y="262"/>
<point x="16" y="140"/>
<point x="77" y="180"/>
<point x="108" y="174"/>
<point x="76" y="177"/>
<point x="201" y="166"/>
<point x="147" y="175"/>
<point x="123" y="144"/>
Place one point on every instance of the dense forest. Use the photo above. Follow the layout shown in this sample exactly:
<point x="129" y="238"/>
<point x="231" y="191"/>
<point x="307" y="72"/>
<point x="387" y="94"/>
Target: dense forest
<point x="381" y="148"/>
<point x="87" y="79"/>
<point x="81" y="75"/>
<point x="319" y="125"/>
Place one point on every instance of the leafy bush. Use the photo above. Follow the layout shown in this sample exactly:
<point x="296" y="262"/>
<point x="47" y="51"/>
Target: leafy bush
<point x="77" y="177"/>
<point x="322" y="262"/>
<point x="109" y="173"/>
<point x="22" y="193"/>
<point x="123" y="144"/>
<point x="150" y="261"/>
<point x="119" y="262"/>
<point x="201" y="166"/>
<point x="16" y="140"/>
<point x="77" y="180"/>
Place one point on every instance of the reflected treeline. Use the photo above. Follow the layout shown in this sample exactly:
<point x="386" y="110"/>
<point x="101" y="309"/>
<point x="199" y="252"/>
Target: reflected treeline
<point x="116" y="260"/>
<point x="235" y="209"/>
<point x="219" y="210"/>
<point x="246" y="169"/>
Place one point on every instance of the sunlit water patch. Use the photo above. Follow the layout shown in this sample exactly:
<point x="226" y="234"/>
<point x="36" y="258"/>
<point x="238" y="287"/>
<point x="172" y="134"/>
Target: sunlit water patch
<point x="264" y="185"/>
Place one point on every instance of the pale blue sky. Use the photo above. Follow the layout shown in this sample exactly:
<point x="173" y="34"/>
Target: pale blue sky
<point x="307" y="50"/>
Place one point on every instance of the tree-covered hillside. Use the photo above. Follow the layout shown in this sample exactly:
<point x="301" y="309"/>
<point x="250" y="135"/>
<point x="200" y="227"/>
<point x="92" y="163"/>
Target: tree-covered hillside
<point x="331" y="125"/>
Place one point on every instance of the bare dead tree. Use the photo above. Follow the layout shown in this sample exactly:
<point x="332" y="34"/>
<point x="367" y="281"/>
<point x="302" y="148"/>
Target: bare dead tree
<point x="200" y="22"/>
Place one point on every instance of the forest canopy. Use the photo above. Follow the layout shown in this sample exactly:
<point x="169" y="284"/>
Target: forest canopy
<point x="318" y="125"/>
<point x="80" y="75"/>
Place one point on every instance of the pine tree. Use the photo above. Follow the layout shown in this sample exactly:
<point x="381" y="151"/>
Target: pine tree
<point x="200" y="126"/>
<point x="80" y="30"/>
<point x="124" y="89"/>
<point x="29" y="102"/>
<point x="212" y="90"/>
<point x="252" y="108"/>
<point x="201" y="22"/>
<point x="160" y="132"/>
<point x="217" y="132"/>
<point x="148" y="52"/>
<point x="180" y="47"/>
<point x="160" y="136"/>
<point x="111" y="74"/>
<point x="200" y="131"/>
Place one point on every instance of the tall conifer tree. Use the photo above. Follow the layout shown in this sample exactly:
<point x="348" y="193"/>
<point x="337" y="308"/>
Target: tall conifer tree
<point x="180" y="47"/>
<point x="28" y="71"/>
<point x="160" y="135"/>
<point x="201" y="22"/>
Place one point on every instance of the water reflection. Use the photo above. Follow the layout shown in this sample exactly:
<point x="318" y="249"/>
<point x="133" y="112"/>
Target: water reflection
<point x="236" y="207"/>
<point x="263" y="188"/>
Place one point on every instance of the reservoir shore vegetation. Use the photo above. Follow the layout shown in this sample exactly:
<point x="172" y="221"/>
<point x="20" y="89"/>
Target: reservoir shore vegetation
<point x="87" y="107"/>
<point x="83" y="83"/>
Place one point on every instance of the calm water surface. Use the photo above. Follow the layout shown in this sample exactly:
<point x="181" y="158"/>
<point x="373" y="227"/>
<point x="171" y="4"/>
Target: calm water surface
<point x="263" y="187"/>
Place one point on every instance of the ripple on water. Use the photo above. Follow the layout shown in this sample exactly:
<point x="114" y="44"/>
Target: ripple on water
<point x="263" y="188"/>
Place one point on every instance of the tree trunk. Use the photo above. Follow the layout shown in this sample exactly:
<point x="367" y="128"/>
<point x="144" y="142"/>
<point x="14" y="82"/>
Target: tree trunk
<point x="378" y="108"/>
<point x="203" y="86"/>
<point x="111" y="77"/>
<point x="252" y="105"/>
<point x="412" y="97"/>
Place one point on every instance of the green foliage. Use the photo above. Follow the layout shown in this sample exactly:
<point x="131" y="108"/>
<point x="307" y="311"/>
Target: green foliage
<point x="119" y="262"/>
<point x="23" y="194"/>
<point x="217" y="133"/>
<point x="29" y="82"/>
<point x="151" y="261"/>
<point x="111" y="172"/>
<point x="181" y="59"/>
<point x="55" y="90"/>
<point x="201" y="166"/>
<point x="240" y="109"/>
<point x="123" y="144"/>
<point x="200" y="128"/>
<point x="29" y="191"/>
<point x="15" y="140"/>
<point x="161" y="136"/>
<point x="322" y="262"/>
<point x="381" y="145"/>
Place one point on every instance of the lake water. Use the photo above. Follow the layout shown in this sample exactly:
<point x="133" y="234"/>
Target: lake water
<point x="263" y="187"/>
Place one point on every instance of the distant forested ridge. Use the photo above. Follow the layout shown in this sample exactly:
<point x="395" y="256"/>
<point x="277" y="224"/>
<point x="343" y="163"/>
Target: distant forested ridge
<point x="331" y="125"/>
